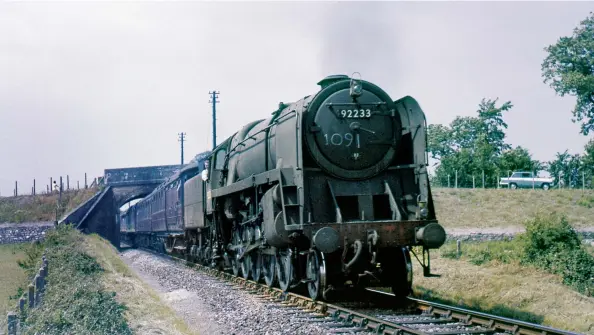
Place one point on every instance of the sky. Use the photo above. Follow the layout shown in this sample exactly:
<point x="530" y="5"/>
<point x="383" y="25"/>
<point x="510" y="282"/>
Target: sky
<point x="86" y="86"/>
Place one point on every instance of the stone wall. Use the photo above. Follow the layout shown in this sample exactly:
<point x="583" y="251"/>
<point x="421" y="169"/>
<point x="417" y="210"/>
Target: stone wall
<point x="23" y="232"/>
<point x="498" y="234"/>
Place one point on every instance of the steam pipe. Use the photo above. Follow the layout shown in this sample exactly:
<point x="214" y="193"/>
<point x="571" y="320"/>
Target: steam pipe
<point x="358" y="249"/>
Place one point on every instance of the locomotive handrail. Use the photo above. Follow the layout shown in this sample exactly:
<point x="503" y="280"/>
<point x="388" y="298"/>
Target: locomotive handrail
<point x="273" y="123"/>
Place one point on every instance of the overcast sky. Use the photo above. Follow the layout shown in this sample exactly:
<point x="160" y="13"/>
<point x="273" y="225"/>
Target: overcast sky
<point x="88" y="86"/>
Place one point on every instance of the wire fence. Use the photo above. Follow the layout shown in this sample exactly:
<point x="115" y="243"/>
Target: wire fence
<point x="59" y="185"/>
<point x="513" y="180"/>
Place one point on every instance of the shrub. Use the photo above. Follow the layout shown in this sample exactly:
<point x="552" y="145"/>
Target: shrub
<point x="553" y="245"/>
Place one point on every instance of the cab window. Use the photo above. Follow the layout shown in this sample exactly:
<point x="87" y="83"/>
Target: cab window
<point x="220" y="160"/>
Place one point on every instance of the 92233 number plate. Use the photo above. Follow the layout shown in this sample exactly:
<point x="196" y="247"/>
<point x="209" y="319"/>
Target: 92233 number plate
<point x="354" y="113"/>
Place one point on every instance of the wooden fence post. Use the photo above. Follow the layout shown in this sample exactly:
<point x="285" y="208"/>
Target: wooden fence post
<point x="12" y="323"/>
<point x="37" y="290"/>
<point x="22" y="303"/>
<point x="31" y="296"/>
<point x="458" y="249"/>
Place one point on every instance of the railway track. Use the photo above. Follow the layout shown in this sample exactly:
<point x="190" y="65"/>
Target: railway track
<point x="411" y="316"/>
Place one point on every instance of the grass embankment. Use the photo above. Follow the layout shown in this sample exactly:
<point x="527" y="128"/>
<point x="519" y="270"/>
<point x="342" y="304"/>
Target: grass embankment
<point x="91" y="291"/>
<point x="544" y="276"/>
<point x="487" y="208"/>
<point x="42" y="207"/>
<point x="12" y="276"/>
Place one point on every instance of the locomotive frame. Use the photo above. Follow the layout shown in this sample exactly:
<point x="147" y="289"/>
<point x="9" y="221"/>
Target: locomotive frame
<point x="286" y="201"/>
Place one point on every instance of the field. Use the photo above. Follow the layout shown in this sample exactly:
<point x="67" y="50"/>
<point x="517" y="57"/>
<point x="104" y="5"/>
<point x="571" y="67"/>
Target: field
<point x="11" y="277"/>
<point x="28" y="208"/>
<point x="505" y="208"/>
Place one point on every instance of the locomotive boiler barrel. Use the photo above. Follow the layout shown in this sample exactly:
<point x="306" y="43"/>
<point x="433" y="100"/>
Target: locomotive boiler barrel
<point x="248" y="151"/>
<point x="260" y="146"/>
<point x="252" y="157"/>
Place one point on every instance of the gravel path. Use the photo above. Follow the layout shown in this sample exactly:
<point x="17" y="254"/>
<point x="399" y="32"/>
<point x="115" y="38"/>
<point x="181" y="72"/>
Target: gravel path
<point x="212" y="306"/>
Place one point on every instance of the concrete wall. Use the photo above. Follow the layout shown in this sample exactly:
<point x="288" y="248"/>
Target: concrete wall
<point x="101" y="218"/>
<point x="76" y="215"/>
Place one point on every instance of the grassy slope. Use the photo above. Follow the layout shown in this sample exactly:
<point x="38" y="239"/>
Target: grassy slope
<point x="146" y="312"/>
<point x="11" y="276"/>
<point x="478" y="208"/>
<point x="28" y="208"/>
<point x="91" y="290"/>
<point x="507" y="290"/>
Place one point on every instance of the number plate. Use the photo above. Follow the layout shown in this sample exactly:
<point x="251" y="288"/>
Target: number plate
<point x="354" y="113"/>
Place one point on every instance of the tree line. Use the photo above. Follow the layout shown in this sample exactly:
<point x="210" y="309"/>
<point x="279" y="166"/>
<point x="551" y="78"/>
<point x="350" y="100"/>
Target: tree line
<point x="476" y="145"/>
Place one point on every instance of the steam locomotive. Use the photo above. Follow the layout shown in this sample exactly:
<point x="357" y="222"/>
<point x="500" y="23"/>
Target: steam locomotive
<point x="330" y="192"/>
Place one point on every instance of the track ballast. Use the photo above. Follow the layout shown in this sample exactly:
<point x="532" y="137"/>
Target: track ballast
<point x="409" y="316"/>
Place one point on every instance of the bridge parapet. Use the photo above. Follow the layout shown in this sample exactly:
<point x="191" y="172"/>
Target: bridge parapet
<point x="139" y="175"/>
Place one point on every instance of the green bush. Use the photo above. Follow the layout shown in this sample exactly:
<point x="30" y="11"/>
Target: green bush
<point x="75" y="302"/>
<point x="553" y="245"/>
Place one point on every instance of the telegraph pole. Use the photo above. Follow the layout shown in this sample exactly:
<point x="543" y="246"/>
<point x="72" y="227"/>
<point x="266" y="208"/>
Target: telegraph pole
<point x="182" y="138"/>
<point x="213" y="100"/>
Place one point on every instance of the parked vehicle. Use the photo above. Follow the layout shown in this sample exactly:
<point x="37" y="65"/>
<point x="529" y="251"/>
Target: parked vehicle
<point x="521" y="179"/>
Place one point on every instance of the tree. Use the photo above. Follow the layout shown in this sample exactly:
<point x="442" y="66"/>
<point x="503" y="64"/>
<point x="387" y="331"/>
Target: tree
<point x="588" y="158"/>
<point x="588" y="162"/>
<point x="564" y="166"/>
<point x="518" y="159"/>
<point x="439" y="138"/>
<point x="569" y="69"/>
<point x="492" y="120"/>
<point x="470" y="145"/>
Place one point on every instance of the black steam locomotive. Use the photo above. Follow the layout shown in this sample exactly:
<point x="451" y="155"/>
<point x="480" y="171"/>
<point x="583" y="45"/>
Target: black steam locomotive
<point x="331" y="191"/>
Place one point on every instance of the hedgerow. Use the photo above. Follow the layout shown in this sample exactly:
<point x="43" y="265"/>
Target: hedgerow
<point x="75" y="301"/>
